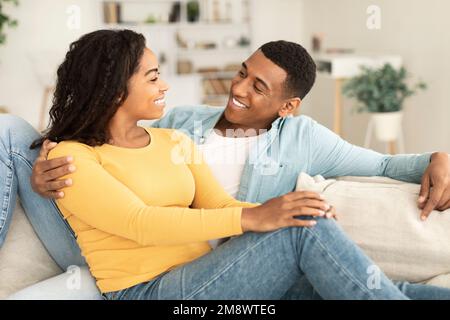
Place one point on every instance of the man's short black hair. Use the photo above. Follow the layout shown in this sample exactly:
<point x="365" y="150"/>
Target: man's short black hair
<point x="296" y="61"/>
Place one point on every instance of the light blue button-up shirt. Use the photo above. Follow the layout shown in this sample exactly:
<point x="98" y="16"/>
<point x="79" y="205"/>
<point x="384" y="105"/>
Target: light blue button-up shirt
<point x="294" y="145"/>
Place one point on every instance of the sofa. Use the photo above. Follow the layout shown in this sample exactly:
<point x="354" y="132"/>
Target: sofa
<point x="27" y="271"/>
<point x="379" y="214"/>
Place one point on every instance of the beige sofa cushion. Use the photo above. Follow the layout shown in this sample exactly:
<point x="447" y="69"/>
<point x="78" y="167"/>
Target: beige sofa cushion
<point x="381" y="216"/>
<point x="23" y="259"/>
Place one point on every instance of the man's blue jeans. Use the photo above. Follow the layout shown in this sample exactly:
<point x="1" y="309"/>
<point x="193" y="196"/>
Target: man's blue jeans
<point x="291" y="263"/>
<point x="268" y="265"/>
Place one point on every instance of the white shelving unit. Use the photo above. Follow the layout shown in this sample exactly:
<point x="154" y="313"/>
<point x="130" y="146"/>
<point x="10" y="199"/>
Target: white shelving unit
<point x="204" y="44"/>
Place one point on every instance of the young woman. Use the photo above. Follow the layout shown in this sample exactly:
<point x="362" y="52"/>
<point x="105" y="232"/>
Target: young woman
<point x="143" y="204"/>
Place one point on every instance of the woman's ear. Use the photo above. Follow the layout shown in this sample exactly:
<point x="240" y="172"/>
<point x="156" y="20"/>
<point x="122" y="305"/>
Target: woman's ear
<point x="289" y="107"/>
<point x="119" y="99"/>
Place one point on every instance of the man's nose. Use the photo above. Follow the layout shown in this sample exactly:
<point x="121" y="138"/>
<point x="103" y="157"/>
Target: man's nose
<point x="240" y="88"/>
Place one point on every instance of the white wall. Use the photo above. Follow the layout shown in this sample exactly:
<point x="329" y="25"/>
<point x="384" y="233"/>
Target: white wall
<point x="42" y="34"/>
<point x="415" y="29"/>
<point x="276" y="20"/>
<point x="418" y="30"/>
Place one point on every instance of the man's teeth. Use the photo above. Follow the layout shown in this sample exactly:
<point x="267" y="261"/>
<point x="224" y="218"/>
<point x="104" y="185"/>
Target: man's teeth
<point x="160" y="101"/>
<point x="240" y="105"/>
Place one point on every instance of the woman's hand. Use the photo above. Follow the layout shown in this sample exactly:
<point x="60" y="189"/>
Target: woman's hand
<point x="281" y="212"/>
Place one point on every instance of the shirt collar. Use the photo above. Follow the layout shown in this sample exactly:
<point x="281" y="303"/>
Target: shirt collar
<point x="211" y="122"/>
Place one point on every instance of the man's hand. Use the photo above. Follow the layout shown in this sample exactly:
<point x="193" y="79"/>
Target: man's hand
<point x="45" y="174"/>
<point x="331" y="213"/>
<point x="435" y="188"/>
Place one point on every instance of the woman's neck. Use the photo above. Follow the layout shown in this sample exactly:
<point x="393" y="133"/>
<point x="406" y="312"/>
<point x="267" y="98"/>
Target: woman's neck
<point x="127" y="134"/>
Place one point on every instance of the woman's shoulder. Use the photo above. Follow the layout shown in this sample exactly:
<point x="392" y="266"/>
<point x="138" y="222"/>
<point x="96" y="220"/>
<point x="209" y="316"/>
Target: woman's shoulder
<point x="172" y="135"/>
<point x="71" y="148"/>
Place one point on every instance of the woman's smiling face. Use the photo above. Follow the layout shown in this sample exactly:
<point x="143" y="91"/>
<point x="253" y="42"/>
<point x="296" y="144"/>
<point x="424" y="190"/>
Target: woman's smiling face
<point x="146" y="90"/>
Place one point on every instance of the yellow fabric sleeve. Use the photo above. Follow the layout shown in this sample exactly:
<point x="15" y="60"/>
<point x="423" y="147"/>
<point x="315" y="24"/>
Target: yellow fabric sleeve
<point x="100" y="200"/>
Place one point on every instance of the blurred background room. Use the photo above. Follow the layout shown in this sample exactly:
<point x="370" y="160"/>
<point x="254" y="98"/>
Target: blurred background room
<point x="405" y="44"/>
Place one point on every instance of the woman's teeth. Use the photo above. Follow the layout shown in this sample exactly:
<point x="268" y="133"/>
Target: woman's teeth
<point x="238" y="104"/>
<point x="160" y="101"/>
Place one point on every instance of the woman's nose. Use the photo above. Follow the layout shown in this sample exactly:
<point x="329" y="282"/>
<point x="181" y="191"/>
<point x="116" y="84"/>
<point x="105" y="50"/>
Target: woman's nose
<point x="164" y="86"/>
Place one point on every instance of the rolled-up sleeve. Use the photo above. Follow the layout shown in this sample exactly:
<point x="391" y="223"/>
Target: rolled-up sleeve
<point x="332" y="156"/>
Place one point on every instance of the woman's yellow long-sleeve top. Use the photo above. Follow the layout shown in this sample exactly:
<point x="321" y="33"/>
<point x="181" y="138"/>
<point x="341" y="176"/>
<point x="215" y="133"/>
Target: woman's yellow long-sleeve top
<point x="139" y="212"/>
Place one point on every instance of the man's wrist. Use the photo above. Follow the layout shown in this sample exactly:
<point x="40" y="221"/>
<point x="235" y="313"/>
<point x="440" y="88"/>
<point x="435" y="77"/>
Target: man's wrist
<point x="439" y="155"/>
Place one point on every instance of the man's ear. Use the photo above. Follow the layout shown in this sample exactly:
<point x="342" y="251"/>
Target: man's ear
<point x="289" y="107"/>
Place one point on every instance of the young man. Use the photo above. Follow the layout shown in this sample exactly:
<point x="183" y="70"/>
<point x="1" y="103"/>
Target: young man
<point x="268" y="148"/>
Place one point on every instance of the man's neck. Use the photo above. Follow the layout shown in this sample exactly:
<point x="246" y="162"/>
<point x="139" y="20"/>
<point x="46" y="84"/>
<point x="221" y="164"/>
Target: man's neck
<point x="223" y="125"/>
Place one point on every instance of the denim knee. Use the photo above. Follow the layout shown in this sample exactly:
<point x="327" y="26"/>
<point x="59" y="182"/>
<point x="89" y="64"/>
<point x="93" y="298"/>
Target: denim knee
<point x="327" y="228"/>
<point x="16" y="134"/>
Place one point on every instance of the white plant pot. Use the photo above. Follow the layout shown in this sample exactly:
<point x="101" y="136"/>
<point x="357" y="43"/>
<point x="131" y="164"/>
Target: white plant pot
<point x="387" y="125"/>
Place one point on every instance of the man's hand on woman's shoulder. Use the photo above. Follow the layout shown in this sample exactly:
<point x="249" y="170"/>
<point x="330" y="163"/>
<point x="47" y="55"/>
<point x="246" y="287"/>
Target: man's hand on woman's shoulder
<point x="46" y="175"/>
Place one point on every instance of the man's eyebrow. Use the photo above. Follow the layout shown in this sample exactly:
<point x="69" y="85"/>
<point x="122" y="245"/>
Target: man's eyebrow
<point x="151" y="70"/>
<point x="257" y="78"/>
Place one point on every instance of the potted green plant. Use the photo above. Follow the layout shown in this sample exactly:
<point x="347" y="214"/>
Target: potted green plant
<point x="6" y="20"/>
<point x="193" y="11"/>
<point x="381" y="92"/>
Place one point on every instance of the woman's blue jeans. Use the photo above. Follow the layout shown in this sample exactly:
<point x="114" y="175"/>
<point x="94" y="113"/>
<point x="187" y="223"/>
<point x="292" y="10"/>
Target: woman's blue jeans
<point x="290" y="263"/>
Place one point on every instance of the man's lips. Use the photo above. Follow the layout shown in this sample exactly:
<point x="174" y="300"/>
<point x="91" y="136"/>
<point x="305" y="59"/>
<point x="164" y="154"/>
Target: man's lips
<point x="238" y="104"/>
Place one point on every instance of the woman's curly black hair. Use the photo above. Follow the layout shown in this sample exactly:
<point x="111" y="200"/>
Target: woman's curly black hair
<point x="91" y="85"/>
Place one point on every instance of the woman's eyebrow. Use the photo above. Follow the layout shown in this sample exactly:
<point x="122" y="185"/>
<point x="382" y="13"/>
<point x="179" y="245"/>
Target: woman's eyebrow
<point x="151" y="70"/>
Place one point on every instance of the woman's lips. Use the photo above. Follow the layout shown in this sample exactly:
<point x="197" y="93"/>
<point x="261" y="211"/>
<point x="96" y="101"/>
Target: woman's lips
<point x="160" y="102"/>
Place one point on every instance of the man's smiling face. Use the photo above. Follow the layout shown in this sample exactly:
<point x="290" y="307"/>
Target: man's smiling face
<point x="257" y="93"/>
